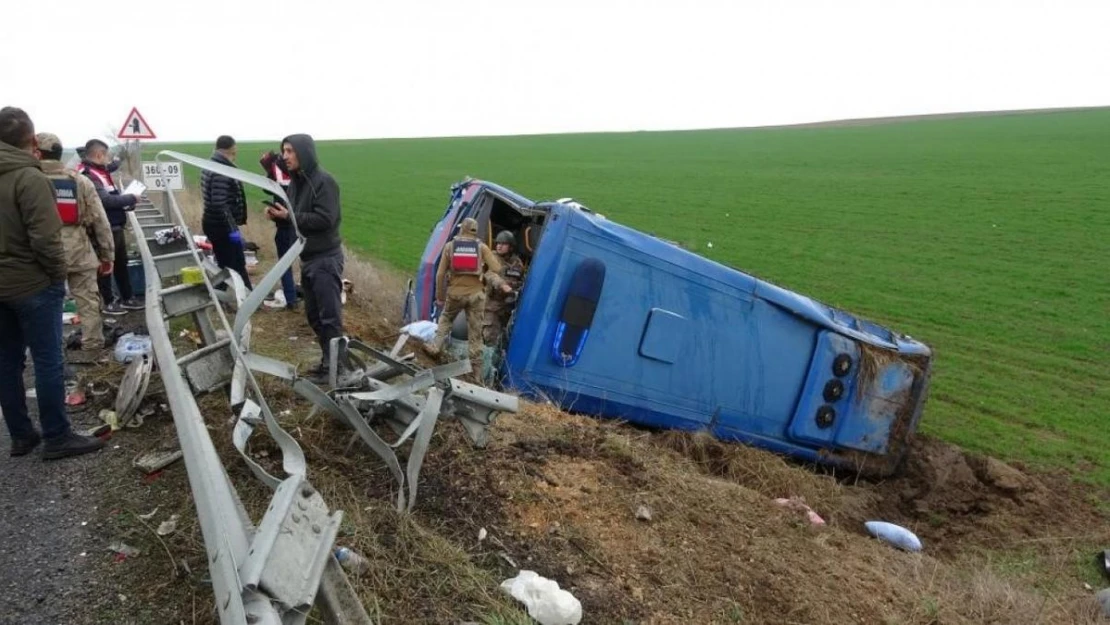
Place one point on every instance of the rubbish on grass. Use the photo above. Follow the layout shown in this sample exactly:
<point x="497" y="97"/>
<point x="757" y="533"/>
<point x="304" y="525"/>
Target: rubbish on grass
<point x="350" y="560"/>
<point x="130" y="345"/>
<point x="546" y="602"/>
<point x="124" y="549"/>
<point x="109" y="417"/>
<point x="795" y="503"/>
<point x="423" y="330"/>
<point x="168" y="526"/>
<point x="156" y="460"/>
<point x="895" y="535"/>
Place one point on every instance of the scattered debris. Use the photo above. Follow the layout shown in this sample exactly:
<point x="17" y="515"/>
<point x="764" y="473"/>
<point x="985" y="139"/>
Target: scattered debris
<point x="131" y="345"/>
<point x="149" y="515"/>
<point x="423" y="330"/>
<point x="123" y="549"/>
<point x="482" y="533"/>
<point x="546" y="602"/>
<point x="132" y="390"/>
<point x="168" y="526"/>
<point x="1103" y="562"/>
<point x="166" y="236"/>
<point x="97" y="389"/>
<point x="97" y="431"/>
<point x="796" y="503"/>
<point x="157" y="460"/>
<point x="110" y="418"/>
<point x="350" y="560"/>
<point x="895" y="535"/>
<point x="74" y="395"/>
<point x="643" y="513"/>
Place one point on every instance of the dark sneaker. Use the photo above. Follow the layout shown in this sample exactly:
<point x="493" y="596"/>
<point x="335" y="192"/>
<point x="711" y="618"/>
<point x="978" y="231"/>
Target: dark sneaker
<point x="23" y="446"/>
<point x="113" y="309"/>
<point x="133" y="304"/>
<point x="70" y="445"/>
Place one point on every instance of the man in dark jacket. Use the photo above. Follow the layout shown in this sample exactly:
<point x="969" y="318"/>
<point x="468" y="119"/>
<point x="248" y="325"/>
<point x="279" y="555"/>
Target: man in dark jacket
<point x="225" y="209"/>
<point x="95" y="166"/>
<point x="315" y="198"/>
<point x="33" y="268"/>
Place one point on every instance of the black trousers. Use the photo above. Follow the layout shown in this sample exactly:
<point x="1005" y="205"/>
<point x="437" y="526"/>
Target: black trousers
<point x="119" y="271"/>
<point x="228" y="253"/>
<point x="322" y="283"/>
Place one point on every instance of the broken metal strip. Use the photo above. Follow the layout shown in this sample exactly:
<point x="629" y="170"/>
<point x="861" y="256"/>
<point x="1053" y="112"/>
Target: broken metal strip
<point x="293" y="461"/>
<point x="348" y="414"/>
<point x="297" y="528"/>
<point x="418" y="382"/>
<point x="251" y="415"/>
<point x="271" y="366"/>
<point x="238" y="373"/>
<point x="484" y="397"/>
<point x="225" y="539"/>
<point x="292" y="454"/>
<point x="273" y="276"/>
<point x="427" y="419"/>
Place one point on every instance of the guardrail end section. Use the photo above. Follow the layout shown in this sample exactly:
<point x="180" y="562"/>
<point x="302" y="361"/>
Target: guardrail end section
<point x="290" y="549"/>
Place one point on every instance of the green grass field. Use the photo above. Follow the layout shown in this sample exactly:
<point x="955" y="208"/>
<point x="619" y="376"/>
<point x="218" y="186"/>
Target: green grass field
<point x="986" y="237"/>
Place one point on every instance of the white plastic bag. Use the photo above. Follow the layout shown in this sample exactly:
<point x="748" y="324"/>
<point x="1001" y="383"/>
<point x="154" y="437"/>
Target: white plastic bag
<point x="423" y="330"/>
<point x="546" y="602"/>
<point x="895" y="535"/>
<point x="131" y="345"/>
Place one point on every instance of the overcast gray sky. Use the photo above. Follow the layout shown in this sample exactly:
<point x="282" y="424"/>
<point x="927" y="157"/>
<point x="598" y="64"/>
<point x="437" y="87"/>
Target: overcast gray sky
<point x="263" y="69"/>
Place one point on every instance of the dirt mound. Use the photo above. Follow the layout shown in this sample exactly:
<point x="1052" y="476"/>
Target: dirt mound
<point x="559" y="494"/>
<point x="955" y="501"/>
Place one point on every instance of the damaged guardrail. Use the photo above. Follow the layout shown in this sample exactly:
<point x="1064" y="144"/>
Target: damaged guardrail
<point x="272" y="573"/>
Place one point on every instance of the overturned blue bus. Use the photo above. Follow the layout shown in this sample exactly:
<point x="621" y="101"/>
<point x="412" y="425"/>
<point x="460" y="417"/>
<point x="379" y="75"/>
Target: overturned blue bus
<point x="616" y="323"/>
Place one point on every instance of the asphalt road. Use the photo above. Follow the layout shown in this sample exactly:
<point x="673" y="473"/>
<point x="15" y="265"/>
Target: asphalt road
<point x="48" y="545"/>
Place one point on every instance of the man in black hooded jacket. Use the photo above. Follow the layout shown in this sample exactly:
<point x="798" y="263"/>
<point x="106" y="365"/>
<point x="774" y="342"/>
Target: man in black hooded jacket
<point x="315" y="197"/>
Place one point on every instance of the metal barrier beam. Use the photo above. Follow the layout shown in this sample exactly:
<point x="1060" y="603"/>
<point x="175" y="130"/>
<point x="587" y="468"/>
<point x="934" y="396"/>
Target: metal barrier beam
<point x="271" y="574"/>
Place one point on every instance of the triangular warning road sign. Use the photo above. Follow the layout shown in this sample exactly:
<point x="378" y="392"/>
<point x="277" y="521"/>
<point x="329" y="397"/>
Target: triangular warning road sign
<point x="135" y="127"/>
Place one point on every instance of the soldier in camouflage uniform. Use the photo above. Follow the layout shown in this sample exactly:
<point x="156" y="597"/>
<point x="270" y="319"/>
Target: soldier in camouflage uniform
<point x="460" y="286"/>
<point x="83" y="217"/>
<point x="502" y="288"/>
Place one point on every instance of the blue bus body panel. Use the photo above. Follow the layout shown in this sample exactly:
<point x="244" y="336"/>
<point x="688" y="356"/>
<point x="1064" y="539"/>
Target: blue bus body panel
<point x="678" y="341"/>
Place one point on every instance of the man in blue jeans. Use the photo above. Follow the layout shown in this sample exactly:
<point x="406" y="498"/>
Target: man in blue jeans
<point x="33" y="266"/>
<point x="284" y="235"/>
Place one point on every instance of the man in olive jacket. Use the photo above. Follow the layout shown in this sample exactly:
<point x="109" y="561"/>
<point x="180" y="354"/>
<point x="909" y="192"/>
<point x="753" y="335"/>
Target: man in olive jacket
<point x="33" y="266"/>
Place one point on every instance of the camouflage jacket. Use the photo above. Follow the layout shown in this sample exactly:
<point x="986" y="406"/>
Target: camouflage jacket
<point x="512" y="273"/>
<point x="89" y="241"/>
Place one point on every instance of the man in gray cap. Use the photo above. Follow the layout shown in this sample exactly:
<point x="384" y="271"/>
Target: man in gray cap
<point x="82" y="216"/>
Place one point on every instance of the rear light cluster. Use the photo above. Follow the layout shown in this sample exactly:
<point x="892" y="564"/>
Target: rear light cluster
<point x="834" y="390"/>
